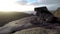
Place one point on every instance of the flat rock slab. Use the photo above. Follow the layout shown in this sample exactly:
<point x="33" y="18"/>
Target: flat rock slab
<point x="37" y="30"/>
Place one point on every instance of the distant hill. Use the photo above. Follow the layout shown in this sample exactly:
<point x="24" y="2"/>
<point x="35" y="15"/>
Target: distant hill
<point x="57" y="13"/>
<point x="11" y="16"/>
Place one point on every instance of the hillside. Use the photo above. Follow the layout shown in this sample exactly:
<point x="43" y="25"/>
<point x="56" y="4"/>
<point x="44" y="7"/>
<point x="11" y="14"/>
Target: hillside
<point x="8" y="17"/>
<point x="19" y="24"/>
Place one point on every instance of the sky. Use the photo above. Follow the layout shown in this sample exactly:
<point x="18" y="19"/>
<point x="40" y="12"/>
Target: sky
<point x="27" y="5"/>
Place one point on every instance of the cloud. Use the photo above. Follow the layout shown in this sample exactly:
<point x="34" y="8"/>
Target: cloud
<point x="11" y="5"/>
<point x="22" y="2"/>
<point x="45" y="2"/>
<point x="24" y="5"/>
<point x="38" y="2"/>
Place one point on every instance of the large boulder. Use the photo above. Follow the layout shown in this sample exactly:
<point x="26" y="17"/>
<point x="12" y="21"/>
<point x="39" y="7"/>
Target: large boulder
<point x="45" y="16"/>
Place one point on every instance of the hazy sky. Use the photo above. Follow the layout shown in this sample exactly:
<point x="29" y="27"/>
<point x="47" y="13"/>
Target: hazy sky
<point x="27" y="5"/>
